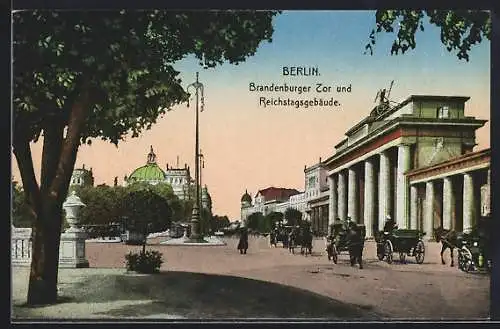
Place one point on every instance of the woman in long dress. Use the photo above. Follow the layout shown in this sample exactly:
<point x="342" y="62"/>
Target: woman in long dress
<point x="243" y="243"/>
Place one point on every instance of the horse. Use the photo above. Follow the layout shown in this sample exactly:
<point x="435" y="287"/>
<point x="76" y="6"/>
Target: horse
<point x="448" y="239"/>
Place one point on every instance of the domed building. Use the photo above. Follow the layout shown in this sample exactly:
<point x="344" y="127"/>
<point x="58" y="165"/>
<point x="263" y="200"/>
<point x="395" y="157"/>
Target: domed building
<point x="246" y="205"/>
<point x="180" y="179"/>
<point x="150" y="173"/>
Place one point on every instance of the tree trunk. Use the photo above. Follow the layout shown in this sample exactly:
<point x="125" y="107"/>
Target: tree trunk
<point x="46" y="203"/>
<point x="46" y="237"/>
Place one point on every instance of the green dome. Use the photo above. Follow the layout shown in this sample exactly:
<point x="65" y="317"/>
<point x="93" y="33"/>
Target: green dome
<point x="149" y="172"/>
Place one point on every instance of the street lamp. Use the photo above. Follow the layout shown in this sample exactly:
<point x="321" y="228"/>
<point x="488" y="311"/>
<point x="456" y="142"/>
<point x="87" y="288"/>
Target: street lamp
<point x="195" y="217"/>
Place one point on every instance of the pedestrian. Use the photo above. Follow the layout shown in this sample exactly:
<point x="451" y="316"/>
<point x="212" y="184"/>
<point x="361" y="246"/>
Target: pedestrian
<point x="243" y="243"/>
<point x="355" y="239"/>
<point x="389" y="225"/>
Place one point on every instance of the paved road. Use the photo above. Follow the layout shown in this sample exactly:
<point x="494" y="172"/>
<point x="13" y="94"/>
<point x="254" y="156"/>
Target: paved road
<point x="398" y="291"/>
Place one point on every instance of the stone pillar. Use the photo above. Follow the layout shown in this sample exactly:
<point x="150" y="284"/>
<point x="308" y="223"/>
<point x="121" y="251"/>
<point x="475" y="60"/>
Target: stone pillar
<point x="429" y="210"/>
<point x="468" y="203"/>
<point x="352" y="195"/>
<point x="384" y="190"/>
<point x="332" y="201"/>
<point x="402" y="186"/>
<point x="342" y="209"/>
<point x="369" y="204"/>
<point x="413" y="207"/>
<point x="72" y="246"/>
<point x="448" y="203"/>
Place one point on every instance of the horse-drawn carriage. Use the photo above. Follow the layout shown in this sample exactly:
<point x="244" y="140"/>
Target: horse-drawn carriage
<point x="341" y="240"/>
<point x="280" y="234"/>
<point x="404" y="242"/>
<point x="300" y="235"/>
<point x="473" y="247"/>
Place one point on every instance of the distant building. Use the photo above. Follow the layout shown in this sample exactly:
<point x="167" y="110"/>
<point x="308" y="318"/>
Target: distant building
<point x="180" y="179"/>
<point x="82" y="177"/>
<point x="271" y="199"/>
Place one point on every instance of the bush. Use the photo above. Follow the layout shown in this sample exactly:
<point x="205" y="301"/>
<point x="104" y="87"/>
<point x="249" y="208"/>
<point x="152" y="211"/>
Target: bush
<point x="144" y="262"/>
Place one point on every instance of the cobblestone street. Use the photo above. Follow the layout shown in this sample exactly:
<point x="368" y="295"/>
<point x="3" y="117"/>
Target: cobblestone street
<point x="397" y="291"/>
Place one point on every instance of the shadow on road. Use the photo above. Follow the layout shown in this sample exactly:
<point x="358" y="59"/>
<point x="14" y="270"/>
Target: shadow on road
<point x="197" y="295"/>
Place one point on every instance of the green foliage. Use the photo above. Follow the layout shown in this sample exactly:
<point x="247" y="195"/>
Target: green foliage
<point x="254" y="220"/>
<point x="273" y="218"/>
<point x="103" y="204"/>
<point x="145" y="209"/>
<point x="460" y="29"/>
<point x="220" y="222"/>
<point x="21" y="212"/>
<point x="123" y="59"/>
<point x="147" y="262"/>
<point x="293" y="216"/>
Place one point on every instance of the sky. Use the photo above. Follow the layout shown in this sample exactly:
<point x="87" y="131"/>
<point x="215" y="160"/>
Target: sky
<point x="249" y="147"/>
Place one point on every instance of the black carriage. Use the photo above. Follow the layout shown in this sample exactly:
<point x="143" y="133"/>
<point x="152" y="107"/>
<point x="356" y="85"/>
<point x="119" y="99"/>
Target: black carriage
<point x="405" y="242"/>
<point x="340" y="242"/>
<point x="280" y="234"/>
<point x="472" y="252"/>
<point x="301" y="235"/>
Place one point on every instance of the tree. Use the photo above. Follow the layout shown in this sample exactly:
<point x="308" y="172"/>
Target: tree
<point x="254" y="220"/>
<point x="146" y="211"/>
<point x="102" y="204"/>
<point x="293" y="216"/>
<point x="271" y="220"/>
<point x="220" y="222"/>
<point x="460" y="29"/>
<point x="84" y="75"/>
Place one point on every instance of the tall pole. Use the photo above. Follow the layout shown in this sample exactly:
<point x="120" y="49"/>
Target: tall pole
<point x="195" y="218"/>
<point x="200" y="157"/>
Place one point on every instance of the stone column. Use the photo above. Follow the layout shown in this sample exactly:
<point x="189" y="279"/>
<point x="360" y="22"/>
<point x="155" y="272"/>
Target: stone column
<point x="72" y="243"/>
<point x="342" y="209"/>
<point x="448" y="203"/>
<point x="352" y="194"/>
<point x="429" y="210"/>
<point x="369" y="204"/>
<point x="402" y="186"/>
<point x="468" y="203"/>
<point x="413" y="207"/>
<point x="384" y="189"/>
<point x="332" y="201"/>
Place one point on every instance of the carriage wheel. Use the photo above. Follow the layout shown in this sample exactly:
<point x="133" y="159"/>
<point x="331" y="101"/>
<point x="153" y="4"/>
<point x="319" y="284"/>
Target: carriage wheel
<point x="402" y="257"/>
<point x="388" y="252"/>
<point x="334" y="254"/>
<point x="419" y="252"/>
<point x="380" y="252"/>
<point x="464" y="259"/>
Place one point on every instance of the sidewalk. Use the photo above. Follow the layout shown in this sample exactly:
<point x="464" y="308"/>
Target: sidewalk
<point x="113" y="293"/>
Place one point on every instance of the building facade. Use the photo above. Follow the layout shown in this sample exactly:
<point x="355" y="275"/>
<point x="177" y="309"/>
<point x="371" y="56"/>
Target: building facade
<point x="180" y="179"/>
<point x="82" y="177"/>
<point x="372" y="173"/>
<point x="271" y="199"/>
<point x="316" y="195"/>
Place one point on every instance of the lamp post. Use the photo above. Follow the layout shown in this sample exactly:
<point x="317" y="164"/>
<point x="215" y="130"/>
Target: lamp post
<point x="201" y="165"/>
<point x="195" y="217"/>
